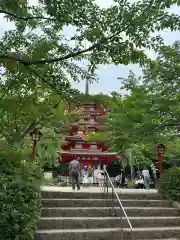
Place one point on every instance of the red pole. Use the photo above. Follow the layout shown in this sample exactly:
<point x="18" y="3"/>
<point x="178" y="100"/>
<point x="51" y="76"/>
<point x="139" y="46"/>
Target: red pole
<point x="161" y="163"/>
<point x="33" y="150"/>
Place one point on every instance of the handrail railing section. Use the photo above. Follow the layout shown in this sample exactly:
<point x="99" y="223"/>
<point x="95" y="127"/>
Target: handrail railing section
<point x="114" y="193"/>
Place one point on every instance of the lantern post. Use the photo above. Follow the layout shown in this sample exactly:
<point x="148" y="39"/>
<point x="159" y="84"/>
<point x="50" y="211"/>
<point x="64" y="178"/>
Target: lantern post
<point x="160" y="151"/>
<point x="35" y="136"/>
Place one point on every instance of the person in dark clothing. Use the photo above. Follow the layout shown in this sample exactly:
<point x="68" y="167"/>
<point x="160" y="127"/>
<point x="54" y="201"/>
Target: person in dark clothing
<point x="74" y="172"/>
<point x="123" y="177"/>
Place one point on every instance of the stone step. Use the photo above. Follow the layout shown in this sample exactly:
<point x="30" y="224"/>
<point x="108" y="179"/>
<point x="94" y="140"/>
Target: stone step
<point x="98" y="195"/>
<point x="108" y="234"/>
<point x="107" y="212"/>
<point x="110" y="222"/>
<point x="101" y="203"/>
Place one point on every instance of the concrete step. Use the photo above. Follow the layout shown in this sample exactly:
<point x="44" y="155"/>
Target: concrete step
<point x="108" y="234"/>
<point x="110" y="222"/>
<point x="101" y="203"/>
<point x="98" y="195"/>
<point x="107" y="212"/>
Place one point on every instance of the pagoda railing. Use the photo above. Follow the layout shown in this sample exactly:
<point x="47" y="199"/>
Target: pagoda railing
<point x="115" y="197"/>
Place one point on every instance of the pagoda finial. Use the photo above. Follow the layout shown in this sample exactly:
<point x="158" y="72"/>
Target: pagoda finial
<point x="87" y="88"/>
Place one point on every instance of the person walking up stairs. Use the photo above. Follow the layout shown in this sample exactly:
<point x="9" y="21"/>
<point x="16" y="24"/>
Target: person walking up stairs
<point x="74" y="172"/>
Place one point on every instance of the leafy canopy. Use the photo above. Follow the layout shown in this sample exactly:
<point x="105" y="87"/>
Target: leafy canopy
<point x="149" y="113"/>
<point x="39" y="52"/>
<point x="40" y="59"/>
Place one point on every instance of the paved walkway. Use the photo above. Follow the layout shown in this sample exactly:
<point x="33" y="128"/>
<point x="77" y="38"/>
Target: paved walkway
<point x="97" y="189"/>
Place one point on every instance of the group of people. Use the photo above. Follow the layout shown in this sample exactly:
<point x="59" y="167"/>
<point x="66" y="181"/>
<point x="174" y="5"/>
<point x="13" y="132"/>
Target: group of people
<point x="88" y="175"/>
<point x="145" y="179"/>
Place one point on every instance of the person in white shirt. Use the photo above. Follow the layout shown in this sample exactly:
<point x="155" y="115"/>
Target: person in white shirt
<point x="140" y="182"/>
<point x="90" y="176"/>
<point x="146" y="176"/>
<point x="154" y="170"/>
<point x="100" y="176"/>
<point x="85" y="180"/>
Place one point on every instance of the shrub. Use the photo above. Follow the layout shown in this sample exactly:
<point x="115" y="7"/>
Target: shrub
<point x="20" y="196"/>
<point x="47" y="181"/>
<point x="131" y="184"/>
<point x="169" y="184"/>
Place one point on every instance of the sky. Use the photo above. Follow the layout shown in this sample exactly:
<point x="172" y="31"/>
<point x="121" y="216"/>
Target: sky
<point x="108" y="74"/>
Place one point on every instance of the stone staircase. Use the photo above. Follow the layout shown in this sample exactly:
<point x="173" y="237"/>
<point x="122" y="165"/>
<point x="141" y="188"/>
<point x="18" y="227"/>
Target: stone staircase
<point x="90" y="216"/>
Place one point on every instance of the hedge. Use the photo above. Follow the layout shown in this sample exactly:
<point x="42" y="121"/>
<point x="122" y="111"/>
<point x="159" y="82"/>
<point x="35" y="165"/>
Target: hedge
<point x="20" y="197"/>
<point x="169" y="184"/>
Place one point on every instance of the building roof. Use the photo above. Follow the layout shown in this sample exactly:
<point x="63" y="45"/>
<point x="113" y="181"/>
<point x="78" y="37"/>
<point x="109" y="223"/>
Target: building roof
<point x="89" y="153"/>
<point x="89" y="123"/>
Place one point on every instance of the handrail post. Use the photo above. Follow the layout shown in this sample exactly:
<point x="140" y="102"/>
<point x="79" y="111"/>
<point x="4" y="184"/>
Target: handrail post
<point x="113" y="202"/>
<point x="123" y="212"/>
<point x="104" y="187"/>
<point x="74" y="199"/>
<point x="106" y="184"/>
<point x="112" y="195"/>
<point x="132" y="234"/>
<point x="122" y="233"/>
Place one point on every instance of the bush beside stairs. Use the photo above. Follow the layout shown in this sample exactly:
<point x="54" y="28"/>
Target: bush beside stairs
<point x="90" y="216"/>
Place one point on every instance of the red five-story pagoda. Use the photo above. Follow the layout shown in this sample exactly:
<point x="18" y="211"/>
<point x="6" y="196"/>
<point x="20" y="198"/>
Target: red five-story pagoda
<point x="88" y="153"/>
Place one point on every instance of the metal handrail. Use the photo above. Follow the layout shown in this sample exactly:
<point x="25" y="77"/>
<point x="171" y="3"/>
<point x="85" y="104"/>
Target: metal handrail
<point x="120" y="204"/>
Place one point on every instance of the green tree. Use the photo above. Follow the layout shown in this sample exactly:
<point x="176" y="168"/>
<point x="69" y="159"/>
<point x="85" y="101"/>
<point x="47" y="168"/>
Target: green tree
<point x="48" y="148"/>
<point x="21" y="112"/>
<point x="53" y="136"/>
<point x="149" y="113"/>
<point x="161" y="80"/>
<point x="39" y="52"/>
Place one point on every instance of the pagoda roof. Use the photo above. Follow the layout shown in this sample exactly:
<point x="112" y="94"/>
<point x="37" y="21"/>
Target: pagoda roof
<point x="86" y="123"/>
<point x="87" y="104"/>
<point x="79" y="137"/>
<point x="88" y="152"/>
<point x="92" y="110"/>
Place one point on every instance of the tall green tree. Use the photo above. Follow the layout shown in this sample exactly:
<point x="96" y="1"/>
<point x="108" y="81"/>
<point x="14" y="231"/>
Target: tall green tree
<point x="161" y="80"/>
<point x="21" y="113"/>
<point x="149" y="113"/>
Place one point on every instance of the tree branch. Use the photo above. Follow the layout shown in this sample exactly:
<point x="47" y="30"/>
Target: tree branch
<point x="175" y="124"/>
<point x="5" y="92"/>
<point x="103" y="40"/>
<point x="53" y="60"/>
<point x="36" y="74"/>
<point x="34" y="123"/>
<point x="26" y="18"/>
<point x="70" y="55"/>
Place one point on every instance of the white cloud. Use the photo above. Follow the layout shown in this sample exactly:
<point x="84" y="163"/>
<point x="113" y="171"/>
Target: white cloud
<point x="33" y="2"/>
<point x="104" y="3"/>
